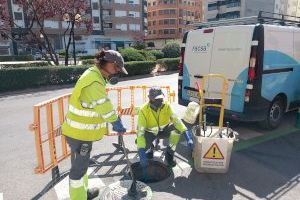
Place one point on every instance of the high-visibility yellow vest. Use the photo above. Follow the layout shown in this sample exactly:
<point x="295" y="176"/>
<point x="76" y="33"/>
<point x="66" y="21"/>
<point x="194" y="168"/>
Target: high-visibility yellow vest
<point x="155" y="121"/>
<point x="82" y="122"/>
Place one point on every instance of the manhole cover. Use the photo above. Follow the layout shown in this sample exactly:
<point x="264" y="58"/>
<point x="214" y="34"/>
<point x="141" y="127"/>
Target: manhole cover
<point x="155" y="172"/>
<point x="119" y="190"/>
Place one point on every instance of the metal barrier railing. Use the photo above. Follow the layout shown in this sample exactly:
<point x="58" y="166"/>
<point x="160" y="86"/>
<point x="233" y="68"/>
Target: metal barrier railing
<point x="57" y="146"/>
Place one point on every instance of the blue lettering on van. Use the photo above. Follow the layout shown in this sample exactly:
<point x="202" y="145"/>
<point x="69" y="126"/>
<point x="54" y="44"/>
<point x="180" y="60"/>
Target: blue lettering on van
<point x="200" y="48"/>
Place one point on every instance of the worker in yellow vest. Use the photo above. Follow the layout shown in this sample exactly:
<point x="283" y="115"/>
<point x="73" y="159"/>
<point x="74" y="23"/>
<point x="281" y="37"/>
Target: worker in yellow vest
<point x="156" y="119"/>
<point x="86" y="121"/>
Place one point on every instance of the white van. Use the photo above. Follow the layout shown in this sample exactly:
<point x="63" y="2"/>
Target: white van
<point x="261" y="62"/>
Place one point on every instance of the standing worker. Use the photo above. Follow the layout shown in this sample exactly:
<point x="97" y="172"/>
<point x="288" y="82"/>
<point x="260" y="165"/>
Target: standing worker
<point x="156" y="120"/>
<point x="86" y="121"/>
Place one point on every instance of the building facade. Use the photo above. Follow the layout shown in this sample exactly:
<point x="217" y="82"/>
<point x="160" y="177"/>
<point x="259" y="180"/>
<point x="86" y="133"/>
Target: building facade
<point x="229" y="9"/>
<point x="169" y="19"/>
<point x="116" y="24"/>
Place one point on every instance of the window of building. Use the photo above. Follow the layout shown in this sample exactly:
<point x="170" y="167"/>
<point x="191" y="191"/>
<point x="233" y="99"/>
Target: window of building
<point x="149" y="23"/>
<point x="180" y="30"/>
<point x="133" y="14"/>
<point x="95" y="6"/>
<point x="180" y="13"/>
<point x="149" y="14"/>
<point x="122" y="27"/>
<point x="160" y="31"/>
<point x="149" y="32"/>
<point x="121" y="13"/>
<point x="166" y="21"/>
<point x="120" y="1"/>
<point x="18" y="15"/>
<point x="108" y="25"/>
<point x="180" y="1"/>
<point x="193" y="3"/>
<point x="172" y="31"/>
<point x="154" y="3"/>
<point x="189" y="3"/>
<point x="106" y="12"/>
<point x="153" y="23"/>
<point x="166" y="12"/>
<point x="96" y="20"/>
<point x="161" y="22"/>
<point x="234" y="3"/>
<point x="154" y="13"/>
<point x="133" y="2"/>
<point x="154" y="31"/>
<point x="149" y="4"/>
<point x="180" y="21"/>
<point x="172" y="21"/>
<point x="161" y="12"/>
<point x="166" y="31"/>
<point x="172" y="1"/>
<point x="134" y="27"/>
<point x="172" y="12"/>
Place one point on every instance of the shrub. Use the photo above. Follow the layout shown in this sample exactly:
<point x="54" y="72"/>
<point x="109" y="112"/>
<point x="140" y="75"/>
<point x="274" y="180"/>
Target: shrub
<point x="86" y="57"/>
<point x="171" y="64"/>
<point x="16" y="58"/>
<point x="148" y="55"/>
<point x="131" y="54"/>
<point x="139" y="45"/>
<point x="25" y="64"/>
<point x="171" y="50"/>
<point x="88" y="62"/>
<point x="157" y="54"/>
<point x="139" y="67"/>
<point x="22" y="78"/>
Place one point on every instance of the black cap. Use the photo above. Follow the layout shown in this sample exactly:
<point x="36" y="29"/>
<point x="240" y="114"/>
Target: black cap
<point x="156" y="93"/>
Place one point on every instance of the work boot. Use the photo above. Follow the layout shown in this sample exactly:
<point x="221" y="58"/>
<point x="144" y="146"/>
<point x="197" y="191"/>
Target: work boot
<point x="169" y="157"/>
<point x="92" y="193"/>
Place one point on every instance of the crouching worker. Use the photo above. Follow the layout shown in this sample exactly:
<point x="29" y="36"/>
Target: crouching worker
<point x="156" y="120"/>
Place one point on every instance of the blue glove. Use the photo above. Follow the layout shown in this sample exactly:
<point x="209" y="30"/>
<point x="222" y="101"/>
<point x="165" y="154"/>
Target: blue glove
<point x="189" y="139"/>
<point x="143" y="158"/>
<point x="118" y="126"/>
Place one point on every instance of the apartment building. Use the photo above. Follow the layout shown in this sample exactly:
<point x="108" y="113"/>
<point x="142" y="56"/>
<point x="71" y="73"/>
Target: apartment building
<point x="170" y="19"/>
<point x="116" y="23"/>
<point x="229" y="9"/>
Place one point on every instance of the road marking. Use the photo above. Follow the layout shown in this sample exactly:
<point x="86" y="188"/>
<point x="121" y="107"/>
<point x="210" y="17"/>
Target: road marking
<point x="1" y="196"/>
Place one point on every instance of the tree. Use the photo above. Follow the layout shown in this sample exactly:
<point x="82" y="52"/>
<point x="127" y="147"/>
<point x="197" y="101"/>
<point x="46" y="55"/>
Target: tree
<point x="74" y="13"/>
<point x="5" y="21"/>
<point x="36" y="12"/>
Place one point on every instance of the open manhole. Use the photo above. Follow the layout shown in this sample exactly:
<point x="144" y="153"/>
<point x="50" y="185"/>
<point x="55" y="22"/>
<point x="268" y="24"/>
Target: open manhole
<point x="155" y="172"/>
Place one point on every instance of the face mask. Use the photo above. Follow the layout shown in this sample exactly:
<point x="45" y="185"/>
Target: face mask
<point x="156" y="104"/>
<point x="113" y="79"/>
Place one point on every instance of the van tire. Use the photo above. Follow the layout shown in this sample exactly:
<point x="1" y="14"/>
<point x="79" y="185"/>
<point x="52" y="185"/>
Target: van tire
<point x="274" y="115"/>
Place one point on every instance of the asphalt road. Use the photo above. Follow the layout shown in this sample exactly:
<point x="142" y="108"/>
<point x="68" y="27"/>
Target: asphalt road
<point x="260" y="170"/>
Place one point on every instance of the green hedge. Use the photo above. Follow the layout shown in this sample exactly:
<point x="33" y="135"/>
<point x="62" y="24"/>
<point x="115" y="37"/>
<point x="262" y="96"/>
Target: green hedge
<point x="87" y="57"/>
<point x="31" y="77"/>
<point x="88" y="62"/>
<point x="171" y="50"/>
<point x="139" y="67"/>
<point x="157" y="54"/>
<point x="29" y="64"/>
<point x="131" y="54"/>
<point x="171" y="64"/>
<point x="16" y="58"/>
<point x="22" y="78"/>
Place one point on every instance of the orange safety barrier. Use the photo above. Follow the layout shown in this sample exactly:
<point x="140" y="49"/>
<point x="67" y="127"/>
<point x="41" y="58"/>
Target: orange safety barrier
<point x="51" y="146"/>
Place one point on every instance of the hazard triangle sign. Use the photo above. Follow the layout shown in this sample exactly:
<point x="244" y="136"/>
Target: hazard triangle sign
<point x="214" y="152"/>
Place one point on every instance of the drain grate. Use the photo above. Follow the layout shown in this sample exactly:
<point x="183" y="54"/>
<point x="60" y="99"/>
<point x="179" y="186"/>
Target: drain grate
<point x="119" y="190"/>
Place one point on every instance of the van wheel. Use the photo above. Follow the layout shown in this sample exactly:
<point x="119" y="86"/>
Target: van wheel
<point x="274" y="115"/>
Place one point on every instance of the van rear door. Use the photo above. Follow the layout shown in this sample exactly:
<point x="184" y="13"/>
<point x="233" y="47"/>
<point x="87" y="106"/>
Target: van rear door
<point x="230" y="57"/>
<point x="197" y="61"/>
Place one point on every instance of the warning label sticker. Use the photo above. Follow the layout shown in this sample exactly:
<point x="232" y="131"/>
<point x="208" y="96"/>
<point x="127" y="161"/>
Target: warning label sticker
<point x="214" y="153"/>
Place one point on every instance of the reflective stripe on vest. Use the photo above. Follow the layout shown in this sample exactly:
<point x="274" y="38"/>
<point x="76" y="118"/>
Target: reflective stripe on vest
<point x="94" y="103"/>
<point x="76" y="183"/>
<point x="85" y="126"/>
<point x="108" y="115"/>
<point x="83" y="113"/>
